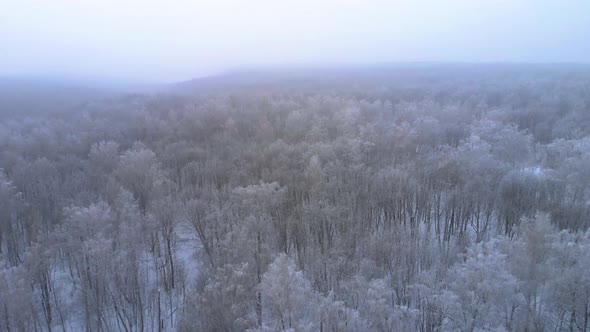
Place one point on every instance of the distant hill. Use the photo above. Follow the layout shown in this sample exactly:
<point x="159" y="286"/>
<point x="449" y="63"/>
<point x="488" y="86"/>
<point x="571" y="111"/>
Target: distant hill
<point x="306" y="79"/>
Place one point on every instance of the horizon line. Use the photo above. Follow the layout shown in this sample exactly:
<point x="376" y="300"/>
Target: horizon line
<point x="68" y="78"/>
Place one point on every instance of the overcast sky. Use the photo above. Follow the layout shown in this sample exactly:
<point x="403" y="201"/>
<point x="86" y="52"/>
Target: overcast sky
<point x="162" y="41"/>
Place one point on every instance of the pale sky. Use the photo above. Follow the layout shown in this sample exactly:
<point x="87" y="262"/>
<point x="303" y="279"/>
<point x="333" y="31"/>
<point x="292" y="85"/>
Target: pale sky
<point x="164" y="41"/>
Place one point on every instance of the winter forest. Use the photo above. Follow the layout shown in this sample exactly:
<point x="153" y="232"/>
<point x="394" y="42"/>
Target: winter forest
<point x="411" y="198"/>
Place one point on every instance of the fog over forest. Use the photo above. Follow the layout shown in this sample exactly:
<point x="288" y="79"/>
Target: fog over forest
<point x="295" y="165"/>
<point x="396" y="198"/>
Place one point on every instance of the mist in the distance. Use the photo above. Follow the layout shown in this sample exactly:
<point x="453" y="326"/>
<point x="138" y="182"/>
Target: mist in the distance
<point x="160" y="41"/>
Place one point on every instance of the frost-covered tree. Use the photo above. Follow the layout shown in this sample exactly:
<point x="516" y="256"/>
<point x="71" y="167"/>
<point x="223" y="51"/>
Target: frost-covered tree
<point x="289" y="302"/>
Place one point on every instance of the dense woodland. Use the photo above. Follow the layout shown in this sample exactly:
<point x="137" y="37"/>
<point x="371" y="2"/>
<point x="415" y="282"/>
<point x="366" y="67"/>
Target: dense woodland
<point x="434" y="198"/>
